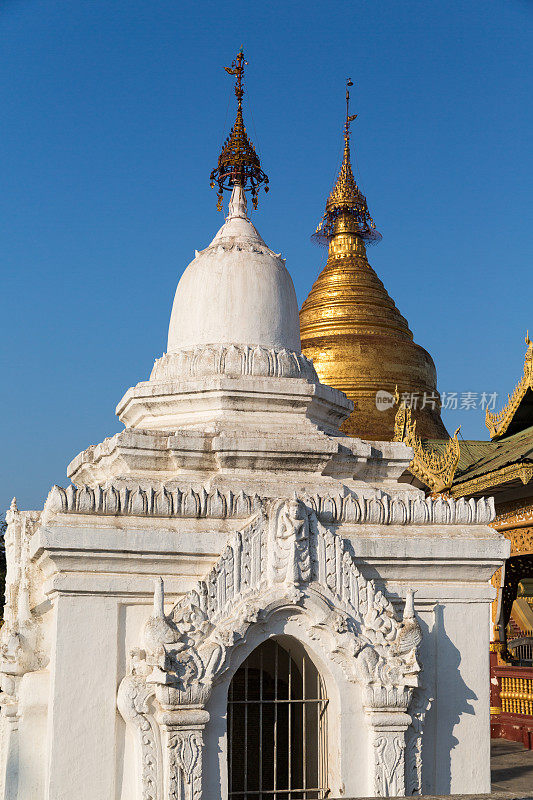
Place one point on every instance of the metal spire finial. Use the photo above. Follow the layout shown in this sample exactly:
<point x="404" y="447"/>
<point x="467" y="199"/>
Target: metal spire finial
<point x="238" y="163"/>
<point x="346" y="199"/>
<point x="237" y="68"/>
<point x="349" y="117"/>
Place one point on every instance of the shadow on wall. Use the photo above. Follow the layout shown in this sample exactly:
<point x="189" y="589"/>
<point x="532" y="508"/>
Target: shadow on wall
<point x="453" y="698"/>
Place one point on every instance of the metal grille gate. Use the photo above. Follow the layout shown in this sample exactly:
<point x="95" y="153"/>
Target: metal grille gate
<point x="277" y="727"/>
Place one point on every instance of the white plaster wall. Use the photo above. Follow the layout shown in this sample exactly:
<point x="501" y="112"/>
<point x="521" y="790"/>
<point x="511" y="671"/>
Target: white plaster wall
<point x="11" y="760"/>
<point x="82" y="721"/>
<point x="33" y="710"/>
<point x="3" y="753"/>
<point x="454" y="655"/>
<point x="462" y="743"/>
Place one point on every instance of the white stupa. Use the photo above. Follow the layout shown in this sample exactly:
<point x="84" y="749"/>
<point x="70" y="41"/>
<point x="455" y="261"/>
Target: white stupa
<point x="221" y="604"/>
<point x="236" y="272"/>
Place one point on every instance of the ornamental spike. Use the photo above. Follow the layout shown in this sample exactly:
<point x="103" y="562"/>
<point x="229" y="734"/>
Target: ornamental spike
<point x="409" y="607"/>
<point x="159" y="598"/>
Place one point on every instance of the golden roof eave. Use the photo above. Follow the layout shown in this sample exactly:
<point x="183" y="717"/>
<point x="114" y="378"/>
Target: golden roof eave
<point x="508" y="474"/>
<point x="515" y="514"/>
<point x="499" y="422"/>
<point x="435" y="468"/>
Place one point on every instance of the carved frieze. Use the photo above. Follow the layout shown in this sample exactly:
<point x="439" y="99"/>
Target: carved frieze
<point x="159" y="501"/>
<point x="234" y="360"/>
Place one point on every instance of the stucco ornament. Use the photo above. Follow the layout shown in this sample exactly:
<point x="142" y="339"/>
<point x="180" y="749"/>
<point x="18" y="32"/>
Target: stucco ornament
<point x="234" y="360"/>
<point x="283" y="562"/>
<point x="157" y="501"/>
<point x="20" y="636"/>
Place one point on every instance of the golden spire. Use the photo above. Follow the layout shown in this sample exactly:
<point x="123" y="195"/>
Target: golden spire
<point x="238" y="163"/>
<point x="352" y="329"/>
<point x="346" y="199"/>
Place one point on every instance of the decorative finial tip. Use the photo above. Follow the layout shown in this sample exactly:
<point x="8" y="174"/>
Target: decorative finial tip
<point x="13" y="506"/>
<point x="238" y="163"/>
<point x="159" y="598"/>
<point x="237" y="204"/>
<point x="409" y="608"/>
<point x="346" y="199"/>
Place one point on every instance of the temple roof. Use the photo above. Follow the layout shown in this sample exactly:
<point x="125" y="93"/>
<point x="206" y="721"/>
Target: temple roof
<point x="482" y="467"/>
<point x="518" y="413"/>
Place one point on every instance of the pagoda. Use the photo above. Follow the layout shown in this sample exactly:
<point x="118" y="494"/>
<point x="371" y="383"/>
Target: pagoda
<point x="351" y="328"/>
<point x="221" y="604"/>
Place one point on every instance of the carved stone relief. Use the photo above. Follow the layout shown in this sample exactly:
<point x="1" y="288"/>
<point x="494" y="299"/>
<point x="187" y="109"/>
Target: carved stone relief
<point x="420" y="704"/>
<point x="20" y="636"/>
<point x="234" y="360"/>
<point x="159" y="501"/>
<point x="389" y="774"/>
<point x="284" y="561"/>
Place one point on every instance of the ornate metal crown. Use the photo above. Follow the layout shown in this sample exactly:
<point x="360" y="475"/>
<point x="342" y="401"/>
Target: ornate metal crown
<point x="238" y="163"/>
<point x="346" y="198"/>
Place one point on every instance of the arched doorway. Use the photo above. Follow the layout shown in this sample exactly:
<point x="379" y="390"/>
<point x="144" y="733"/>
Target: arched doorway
<point x="277" y="726"/>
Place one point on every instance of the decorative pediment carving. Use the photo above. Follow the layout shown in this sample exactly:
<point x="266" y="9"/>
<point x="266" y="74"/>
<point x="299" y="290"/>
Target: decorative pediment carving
<point x="283" y="560"/>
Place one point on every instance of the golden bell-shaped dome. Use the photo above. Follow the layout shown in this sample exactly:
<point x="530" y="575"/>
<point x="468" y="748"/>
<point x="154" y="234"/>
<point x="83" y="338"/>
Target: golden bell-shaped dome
<point x="351" y="328"/>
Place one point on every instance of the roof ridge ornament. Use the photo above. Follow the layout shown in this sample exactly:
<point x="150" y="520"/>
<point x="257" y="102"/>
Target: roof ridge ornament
<point x="499" y="422"/>
<point x="433" y="467"/>
<point x="346" y="199"/>
<point x="238" y="163"/>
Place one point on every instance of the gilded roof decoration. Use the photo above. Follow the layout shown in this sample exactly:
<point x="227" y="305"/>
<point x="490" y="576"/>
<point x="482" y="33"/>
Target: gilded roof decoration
<point x="499" y="423"/>
<point x="492" y="465"/>
<point x="346" y="198"/>
<point x="515" y="522"/>
<point x="514" y="514"/>
<point x="508" y="474"/>
<point x="435" y="468"/>
<point x="238" y="163"/>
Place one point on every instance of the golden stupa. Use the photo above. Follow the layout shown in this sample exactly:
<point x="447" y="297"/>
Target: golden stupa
<point x="351" y="328"/>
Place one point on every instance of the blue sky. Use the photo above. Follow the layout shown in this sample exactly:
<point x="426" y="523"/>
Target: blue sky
<point x="113" y="114"/>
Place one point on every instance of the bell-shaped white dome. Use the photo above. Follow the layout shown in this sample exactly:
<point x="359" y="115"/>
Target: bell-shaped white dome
<point x="235" y="291"/>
